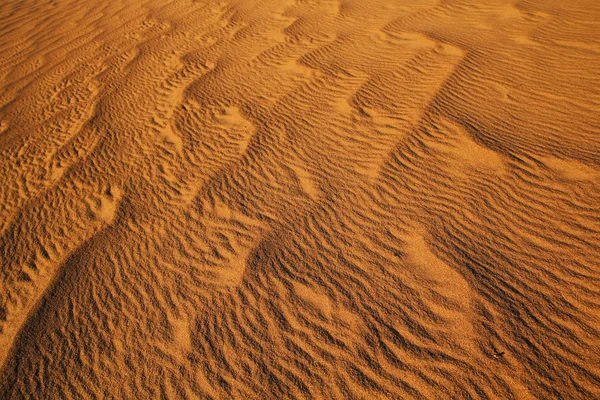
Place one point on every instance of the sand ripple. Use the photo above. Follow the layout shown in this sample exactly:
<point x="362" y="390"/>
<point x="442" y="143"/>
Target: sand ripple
<point x="334" y="199"/>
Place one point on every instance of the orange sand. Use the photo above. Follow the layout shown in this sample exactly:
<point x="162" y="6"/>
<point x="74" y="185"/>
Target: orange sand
<point x="331" y="199"/>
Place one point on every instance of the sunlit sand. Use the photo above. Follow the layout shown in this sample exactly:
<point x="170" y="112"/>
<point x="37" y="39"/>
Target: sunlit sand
<point x="336" y="199"/>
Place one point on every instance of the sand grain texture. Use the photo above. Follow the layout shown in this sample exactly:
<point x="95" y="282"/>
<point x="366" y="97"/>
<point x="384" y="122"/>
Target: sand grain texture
<point x="335" y="199"/>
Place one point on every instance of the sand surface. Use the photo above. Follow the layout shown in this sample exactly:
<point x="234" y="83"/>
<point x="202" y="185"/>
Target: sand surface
<point x="298" y="199"/>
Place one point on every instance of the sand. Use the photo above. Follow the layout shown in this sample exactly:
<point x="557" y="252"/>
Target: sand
<point x="309" y="199"/>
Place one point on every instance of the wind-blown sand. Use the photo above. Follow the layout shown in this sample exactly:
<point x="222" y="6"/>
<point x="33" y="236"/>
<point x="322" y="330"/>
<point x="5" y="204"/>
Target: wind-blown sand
<point x="336" y="199"/>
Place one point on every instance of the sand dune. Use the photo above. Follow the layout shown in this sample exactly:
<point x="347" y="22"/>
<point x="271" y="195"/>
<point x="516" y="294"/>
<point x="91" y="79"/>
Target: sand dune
<point x="335" y="199"/>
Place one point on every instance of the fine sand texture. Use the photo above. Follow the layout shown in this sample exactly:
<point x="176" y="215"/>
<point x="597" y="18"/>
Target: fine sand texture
<point x="300" y="199"/>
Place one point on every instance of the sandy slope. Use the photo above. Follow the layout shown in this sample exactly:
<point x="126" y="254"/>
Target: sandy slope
<point x="337" y="199"/>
